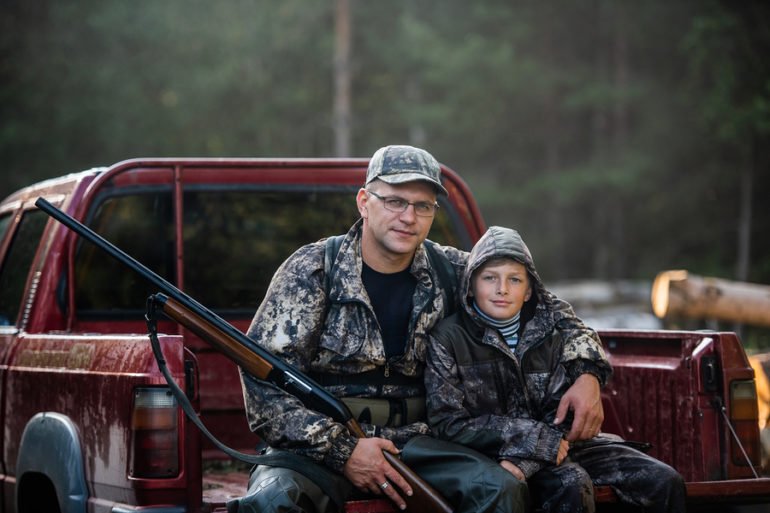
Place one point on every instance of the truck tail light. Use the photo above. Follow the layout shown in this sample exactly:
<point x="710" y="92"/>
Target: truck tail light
<point x="155" y="438"/>
<point x="743" y="417"/>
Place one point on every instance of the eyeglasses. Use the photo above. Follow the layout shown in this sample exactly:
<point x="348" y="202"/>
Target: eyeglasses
<point x="396" y="204"/>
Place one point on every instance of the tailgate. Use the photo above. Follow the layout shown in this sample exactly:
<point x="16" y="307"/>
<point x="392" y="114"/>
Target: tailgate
<point x="735" y="491"/>
<point x="675" y="391"/>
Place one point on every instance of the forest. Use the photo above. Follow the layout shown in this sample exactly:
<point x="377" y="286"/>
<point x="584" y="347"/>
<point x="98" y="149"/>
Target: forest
<point x="621" y="138"/>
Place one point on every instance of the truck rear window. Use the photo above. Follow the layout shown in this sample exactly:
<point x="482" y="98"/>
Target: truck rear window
<point x="233" y="241"/>
<point x="141" y="225"/>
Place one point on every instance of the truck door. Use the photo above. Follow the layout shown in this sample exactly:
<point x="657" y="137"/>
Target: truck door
<point x="18" y="245"/>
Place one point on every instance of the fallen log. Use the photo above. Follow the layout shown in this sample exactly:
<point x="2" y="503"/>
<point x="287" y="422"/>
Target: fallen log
<point x="681" y="294"/>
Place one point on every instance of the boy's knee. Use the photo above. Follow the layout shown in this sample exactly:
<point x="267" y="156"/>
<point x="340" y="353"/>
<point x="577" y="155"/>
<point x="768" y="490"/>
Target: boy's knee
<point x="576" y="478"/>
<point x="672" y="478"/>
<point x="660" y="474"/>
<point x="567" y="485"/>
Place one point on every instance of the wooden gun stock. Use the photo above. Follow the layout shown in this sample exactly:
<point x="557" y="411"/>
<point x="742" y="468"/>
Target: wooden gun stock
<point x="256" y="366"/>
<point x="252" y="357"/>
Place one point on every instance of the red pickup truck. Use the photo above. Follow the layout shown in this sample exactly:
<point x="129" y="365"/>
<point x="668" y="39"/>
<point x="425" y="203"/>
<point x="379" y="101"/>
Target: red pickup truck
<point x="89" y="424"/>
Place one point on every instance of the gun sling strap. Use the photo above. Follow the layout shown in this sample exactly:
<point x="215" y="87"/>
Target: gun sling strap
<point x="319" y="475"/>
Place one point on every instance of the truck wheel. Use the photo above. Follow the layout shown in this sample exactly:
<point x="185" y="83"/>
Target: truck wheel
<point x="36" y="494"/>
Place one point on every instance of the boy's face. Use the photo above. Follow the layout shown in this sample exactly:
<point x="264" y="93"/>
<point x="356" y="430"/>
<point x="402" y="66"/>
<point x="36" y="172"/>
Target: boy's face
<point x="500" y="288"/>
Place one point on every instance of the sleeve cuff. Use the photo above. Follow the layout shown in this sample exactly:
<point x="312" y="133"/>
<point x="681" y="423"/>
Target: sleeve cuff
<point x="581" y="366"/>
<point x="341" y="449"/>
<point x="545" y="448"/>
<point x="528" y="467"/>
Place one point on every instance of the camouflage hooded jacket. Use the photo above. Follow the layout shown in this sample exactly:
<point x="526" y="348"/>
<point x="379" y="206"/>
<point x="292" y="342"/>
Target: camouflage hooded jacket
<point x="501" y="402"/>
<point x="338" y="334"/>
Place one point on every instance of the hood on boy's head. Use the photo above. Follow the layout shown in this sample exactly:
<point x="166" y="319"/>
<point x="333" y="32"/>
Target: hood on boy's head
<point x="500" y="242"/>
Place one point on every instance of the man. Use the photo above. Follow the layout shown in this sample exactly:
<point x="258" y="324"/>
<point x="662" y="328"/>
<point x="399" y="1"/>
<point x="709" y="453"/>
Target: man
<point x="362" y="332"/>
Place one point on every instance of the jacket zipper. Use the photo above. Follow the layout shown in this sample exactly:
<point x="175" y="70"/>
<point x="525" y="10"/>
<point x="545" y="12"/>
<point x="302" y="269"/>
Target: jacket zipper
<point x="518" y="371"/>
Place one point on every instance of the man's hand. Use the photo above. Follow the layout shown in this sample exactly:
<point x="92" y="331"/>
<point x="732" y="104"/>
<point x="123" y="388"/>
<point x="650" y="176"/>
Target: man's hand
<point x="513" y="469"/>
<point x="584" y="399"/>
<point x="368" y="470"/>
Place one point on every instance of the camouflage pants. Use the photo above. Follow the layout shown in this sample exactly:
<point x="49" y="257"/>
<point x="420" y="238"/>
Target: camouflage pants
<point x="637" y="478"/>
<point x="470" y="481"/>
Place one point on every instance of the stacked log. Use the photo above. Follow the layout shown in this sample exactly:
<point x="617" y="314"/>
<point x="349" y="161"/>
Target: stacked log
<point x="681" y="294"/>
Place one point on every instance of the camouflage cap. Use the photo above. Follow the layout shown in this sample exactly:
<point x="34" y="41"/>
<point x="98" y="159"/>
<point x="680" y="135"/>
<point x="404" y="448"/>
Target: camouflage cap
<point x="401" y="164"/>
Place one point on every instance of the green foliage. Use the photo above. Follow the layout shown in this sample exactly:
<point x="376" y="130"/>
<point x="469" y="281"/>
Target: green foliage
<point x="611" y="134"/>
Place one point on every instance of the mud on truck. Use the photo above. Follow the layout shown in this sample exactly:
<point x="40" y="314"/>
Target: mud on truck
<point x="89" y="423"/>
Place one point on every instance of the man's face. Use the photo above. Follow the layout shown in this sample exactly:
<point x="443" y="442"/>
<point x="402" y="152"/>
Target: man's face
<point x="395" y="233"/>
<point x="500" y="288"/>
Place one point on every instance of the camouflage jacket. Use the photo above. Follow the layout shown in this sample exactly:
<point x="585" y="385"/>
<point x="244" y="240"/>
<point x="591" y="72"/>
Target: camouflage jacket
<point x="501" y="402"/>
<point x="338" y="334"/>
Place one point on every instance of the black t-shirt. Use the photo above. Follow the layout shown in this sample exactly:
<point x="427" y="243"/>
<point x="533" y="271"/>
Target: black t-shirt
<point x="391" y="296"/>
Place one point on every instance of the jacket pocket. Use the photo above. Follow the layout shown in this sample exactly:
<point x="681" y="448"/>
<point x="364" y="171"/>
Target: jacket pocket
<point x="347" y="332"/>
<point x="487" y="386"/>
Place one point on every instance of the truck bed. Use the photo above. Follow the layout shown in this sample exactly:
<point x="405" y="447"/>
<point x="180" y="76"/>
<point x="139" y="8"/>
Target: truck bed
<point x="223" y="482"/>
<point x="222" y="486"/>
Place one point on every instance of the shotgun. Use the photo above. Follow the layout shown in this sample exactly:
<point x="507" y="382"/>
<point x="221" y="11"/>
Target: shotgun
<point x="255" y="359"/>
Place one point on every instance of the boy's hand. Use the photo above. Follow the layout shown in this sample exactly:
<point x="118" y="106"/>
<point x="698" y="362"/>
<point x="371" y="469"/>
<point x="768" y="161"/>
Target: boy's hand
<point x="585" y="400"/>
<point x="513" y="469"/>
<point x="563" y="450"/>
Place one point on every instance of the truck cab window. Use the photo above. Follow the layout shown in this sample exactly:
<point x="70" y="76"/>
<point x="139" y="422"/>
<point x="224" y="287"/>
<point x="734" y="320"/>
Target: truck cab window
<point x="141" y="224"/>
<point x="234" y="240"/>
<point x="15" y="268"/>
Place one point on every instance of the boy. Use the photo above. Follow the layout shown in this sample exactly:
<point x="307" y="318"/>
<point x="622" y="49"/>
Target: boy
<point x="495" y="374"/>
